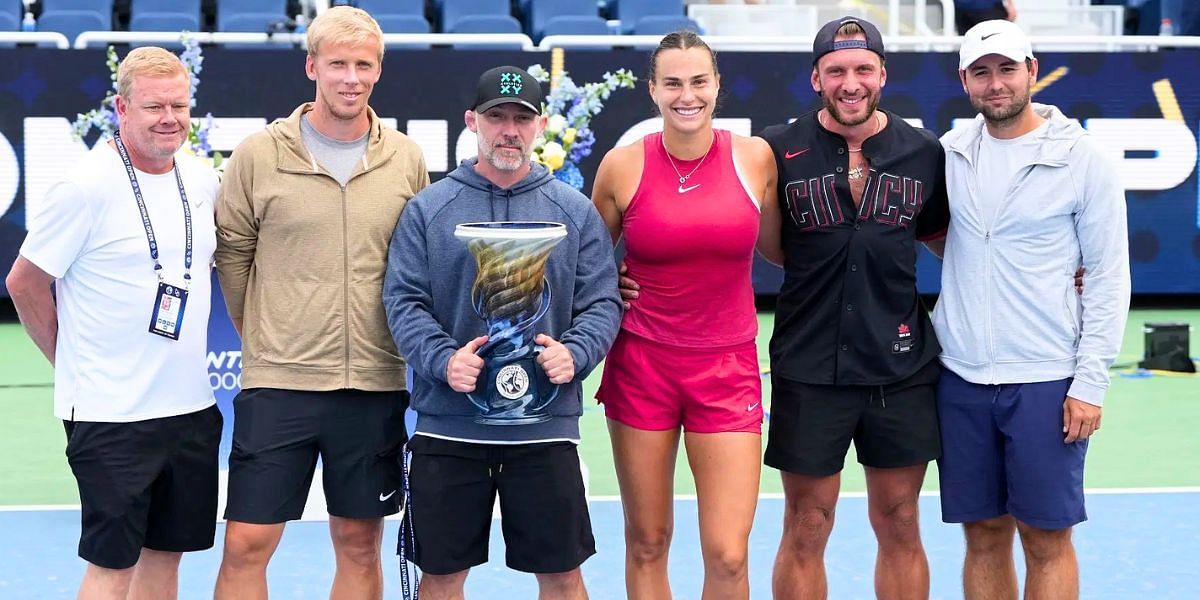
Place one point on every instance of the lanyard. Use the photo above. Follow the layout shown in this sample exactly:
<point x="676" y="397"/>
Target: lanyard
<point x="187" y="215"/>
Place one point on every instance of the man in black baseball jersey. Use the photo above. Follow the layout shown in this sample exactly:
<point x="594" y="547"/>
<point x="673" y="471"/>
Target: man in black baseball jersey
<point x="853" y="355"/>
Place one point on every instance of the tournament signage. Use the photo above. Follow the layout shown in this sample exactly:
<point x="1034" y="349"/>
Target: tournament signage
<point x="1143" y="109"/>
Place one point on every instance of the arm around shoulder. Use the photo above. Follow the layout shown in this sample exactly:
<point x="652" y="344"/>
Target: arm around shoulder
<point x="611" y="192"/>
<point x="763" y="177"/>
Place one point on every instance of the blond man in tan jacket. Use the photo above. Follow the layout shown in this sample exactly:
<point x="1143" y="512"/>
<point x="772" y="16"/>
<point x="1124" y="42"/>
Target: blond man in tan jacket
<point x="305" y="213"/>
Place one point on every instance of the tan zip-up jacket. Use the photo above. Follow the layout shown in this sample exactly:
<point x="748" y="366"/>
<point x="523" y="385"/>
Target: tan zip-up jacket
<point x="301" y="259"/>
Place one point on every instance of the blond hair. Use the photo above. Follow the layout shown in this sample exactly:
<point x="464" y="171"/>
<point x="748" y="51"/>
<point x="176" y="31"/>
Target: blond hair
<point x="849" y="29"/>
<point x="148" y="61"/>
<point x="343" y="25"/>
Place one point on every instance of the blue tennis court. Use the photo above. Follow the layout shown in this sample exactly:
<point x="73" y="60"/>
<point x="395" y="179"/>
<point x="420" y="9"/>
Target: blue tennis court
<point x="1136" y="544"/>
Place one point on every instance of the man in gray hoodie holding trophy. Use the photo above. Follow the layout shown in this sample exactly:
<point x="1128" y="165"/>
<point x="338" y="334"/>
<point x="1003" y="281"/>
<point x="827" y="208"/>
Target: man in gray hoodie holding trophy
<point x="501" y="292"/>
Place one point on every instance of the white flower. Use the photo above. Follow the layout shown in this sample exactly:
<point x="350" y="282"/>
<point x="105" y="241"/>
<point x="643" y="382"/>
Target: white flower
<point x="555" y="124"/>
<point x="553" y="155"/>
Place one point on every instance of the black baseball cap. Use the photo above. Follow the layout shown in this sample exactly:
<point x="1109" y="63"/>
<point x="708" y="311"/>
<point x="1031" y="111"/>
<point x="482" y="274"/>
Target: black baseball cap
<point x="506" y="84"/>
<point x="824" y="44"/>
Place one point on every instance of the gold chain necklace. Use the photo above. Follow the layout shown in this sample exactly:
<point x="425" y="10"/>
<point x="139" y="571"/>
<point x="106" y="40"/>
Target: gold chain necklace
<point x="856" y="173"/>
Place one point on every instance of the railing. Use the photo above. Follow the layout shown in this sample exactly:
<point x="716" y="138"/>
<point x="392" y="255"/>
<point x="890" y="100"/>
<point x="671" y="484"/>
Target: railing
<point x="463" y="40"/>
<point x="42" y="37"/>
<point x="735" y="43"/>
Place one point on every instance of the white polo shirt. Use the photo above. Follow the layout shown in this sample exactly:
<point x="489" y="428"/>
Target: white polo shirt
<point x="90" y="236"/>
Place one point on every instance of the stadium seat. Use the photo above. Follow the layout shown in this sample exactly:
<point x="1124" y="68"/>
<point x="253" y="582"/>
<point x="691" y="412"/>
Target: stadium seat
<point x="663" y="24"/>
<point x="167" y="6"/>
<point x="390" y="23"/>
<point x="164" y="15"/>
<point x="71" y="23"/>
<point x="164" y="21"/>
<point x="631" y="11"/>
<point x="240" y="15"/>
<point x="10" y="15"/>
<point x="397" y="16"/>
<point x="100" y="6"/>
<point x="540" y="12"/>
<point x="249" y="22"/>
<point x="576" y="25"/>
<point x="392" y="7"/>
<point x="486" y="24"/>
<point x="453" y="10"/>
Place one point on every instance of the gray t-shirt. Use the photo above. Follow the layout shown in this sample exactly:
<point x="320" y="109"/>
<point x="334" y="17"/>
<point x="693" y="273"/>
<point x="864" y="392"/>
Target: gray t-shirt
<point x="336" y="156"/>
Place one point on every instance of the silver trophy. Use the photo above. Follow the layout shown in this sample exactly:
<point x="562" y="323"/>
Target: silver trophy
<point x="510" y="294"/>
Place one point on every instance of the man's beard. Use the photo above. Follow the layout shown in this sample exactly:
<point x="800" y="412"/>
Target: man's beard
<point x="831" y="107"/>
<point x="502" y="162"/>
<point x="1003" y="115"/>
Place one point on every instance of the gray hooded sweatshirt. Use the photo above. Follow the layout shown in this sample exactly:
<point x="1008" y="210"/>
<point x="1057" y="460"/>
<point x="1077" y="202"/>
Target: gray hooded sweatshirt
<point x="427" y="295"/>
<point x="1008" y="311"/>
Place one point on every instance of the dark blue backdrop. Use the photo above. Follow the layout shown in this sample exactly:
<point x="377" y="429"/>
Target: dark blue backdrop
<point x="765" y="88"/>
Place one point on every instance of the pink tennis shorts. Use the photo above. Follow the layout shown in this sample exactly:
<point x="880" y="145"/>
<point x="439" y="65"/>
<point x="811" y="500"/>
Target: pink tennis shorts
<point x="653" y="386"/>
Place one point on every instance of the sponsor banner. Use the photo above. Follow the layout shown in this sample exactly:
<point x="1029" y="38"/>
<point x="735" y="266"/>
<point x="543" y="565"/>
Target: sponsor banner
<point x="1142" y="108"/>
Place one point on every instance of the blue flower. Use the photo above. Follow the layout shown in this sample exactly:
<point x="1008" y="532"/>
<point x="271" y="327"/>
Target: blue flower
<point x="570" y="175"/>
<point x="577" y="105"/>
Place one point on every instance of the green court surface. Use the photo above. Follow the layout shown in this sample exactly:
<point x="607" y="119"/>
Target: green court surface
<point x="1148" y="438"/>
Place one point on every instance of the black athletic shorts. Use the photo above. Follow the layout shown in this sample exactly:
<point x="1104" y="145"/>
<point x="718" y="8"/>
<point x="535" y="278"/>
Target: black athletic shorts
<point x="278" y="435"/>
<point x="893" y="425"/>
<point x="453" y="487"/>
<point x="145" y="484"/>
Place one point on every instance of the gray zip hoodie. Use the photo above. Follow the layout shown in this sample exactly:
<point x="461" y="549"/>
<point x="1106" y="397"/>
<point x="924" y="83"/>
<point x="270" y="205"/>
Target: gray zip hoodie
<point x="427" y="295"/>
<point x="1008" y="311"/>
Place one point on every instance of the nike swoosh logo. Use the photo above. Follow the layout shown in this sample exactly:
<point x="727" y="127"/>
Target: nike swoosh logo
<point x="791" y="155"/>
<point x="383" y="498"/>
<point x="684" y="190"/>
<point x="752" y="407"/>
<point x="989" y="35"/>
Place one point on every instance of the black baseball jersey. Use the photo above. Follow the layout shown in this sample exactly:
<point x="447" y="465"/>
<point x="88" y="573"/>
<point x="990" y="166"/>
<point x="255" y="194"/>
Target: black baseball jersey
<point x="848" y="312"/>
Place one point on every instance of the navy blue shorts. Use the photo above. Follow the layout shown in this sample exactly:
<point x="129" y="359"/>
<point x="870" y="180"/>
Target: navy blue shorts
<point x="1003" y="453"/>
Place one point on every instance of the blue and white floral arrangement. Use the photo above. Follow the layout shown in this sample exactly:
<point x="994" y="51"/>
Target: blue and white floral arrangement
<point x="568" y="137"/>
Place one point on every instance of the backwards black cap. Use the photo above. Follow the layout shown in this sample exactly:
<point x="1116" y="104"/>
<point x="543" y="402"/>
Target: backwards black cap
<point x="824" y="42"/>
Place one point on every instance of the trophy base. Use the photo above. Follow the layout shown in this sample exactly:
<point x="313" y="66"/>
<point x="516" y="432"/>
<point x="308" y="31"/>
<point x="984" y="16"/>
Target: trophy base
<point x="516" y="391"/>
<point x="526" y="420"/>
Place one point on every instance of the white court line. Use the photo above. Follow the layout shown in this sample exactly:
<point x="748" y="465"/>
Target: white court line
<point x="935" y="493"/>
<point x="692" y="498"/>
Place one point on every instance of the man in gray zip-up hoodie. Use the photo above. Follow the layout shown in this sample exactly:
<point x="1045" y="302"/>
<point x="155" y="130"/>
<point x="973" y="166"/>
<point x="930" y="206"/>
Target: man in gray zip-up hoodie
<point x="460" y="460"/>
<point x="1032" y="198"/>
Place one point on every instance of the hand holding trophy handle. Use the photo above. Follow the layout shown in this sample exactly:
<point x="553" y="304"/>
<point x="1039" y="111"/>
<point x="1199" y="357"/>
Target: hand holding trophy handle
<point x="555" y="359"/>
<point x="464" y="366"/>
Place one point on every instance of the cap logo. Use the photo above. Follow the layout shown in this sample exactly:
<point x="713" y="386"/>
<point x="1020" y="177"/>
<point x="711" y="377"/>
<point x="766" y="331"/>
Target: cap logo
<point x="989" y="35"/>
<point x="850" y="44"/>
<point x="510" y="83"/>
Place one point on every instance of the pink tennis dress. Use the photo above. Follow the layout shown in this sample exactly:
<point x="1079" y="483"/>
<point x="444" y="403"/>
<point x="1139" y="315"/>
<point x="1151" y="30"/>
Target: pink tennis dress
<point x="686" y="353"/>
